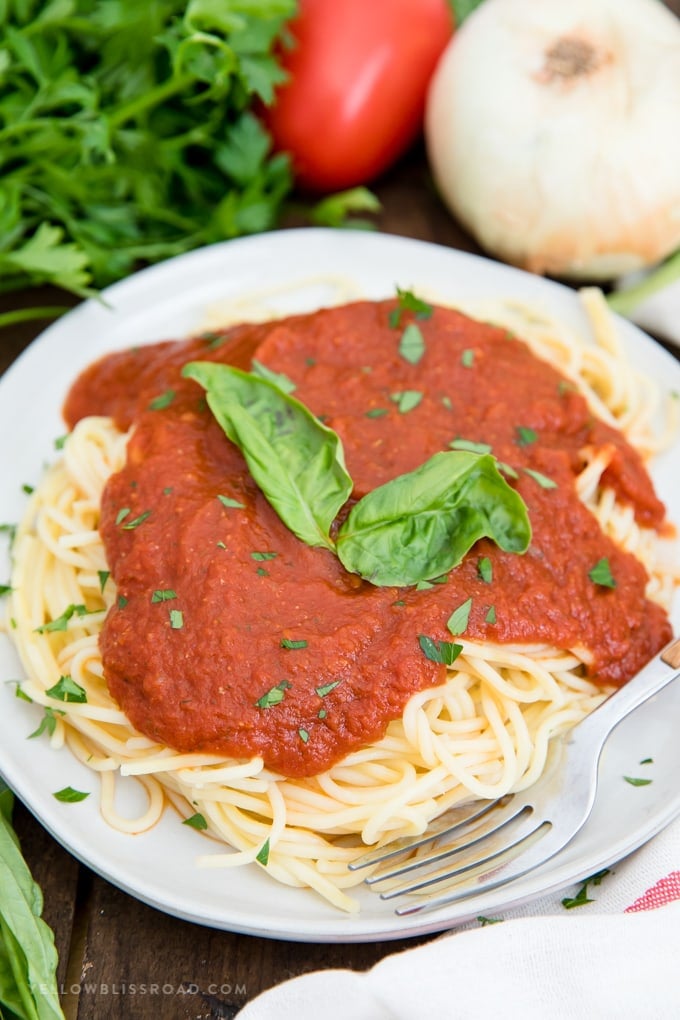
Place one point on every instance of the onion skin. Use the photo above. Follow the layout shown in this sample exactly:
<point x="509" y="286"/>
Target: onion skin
<point x="553" y="133"/>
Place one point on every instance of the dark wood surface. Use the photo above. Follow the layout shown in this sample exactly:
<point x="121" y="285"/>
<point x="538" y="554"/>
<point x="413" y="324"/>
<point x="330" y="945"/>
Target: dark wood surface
<point x="119" y="958"/>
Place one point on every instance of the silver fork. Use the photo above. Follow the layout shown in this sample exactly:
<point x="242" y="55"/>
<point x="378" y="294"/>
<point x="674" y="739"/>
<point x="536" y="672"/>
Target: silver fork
<point x="490" y="843"/>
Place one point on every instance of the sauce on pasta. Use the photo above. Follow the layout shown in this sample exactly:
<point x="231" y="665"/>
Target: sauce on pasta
<point x="231" y="636"/>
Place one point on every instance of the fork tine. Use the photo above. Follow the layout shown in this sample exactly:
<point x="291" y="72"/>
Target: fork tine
<point x="504" y="872"/>
<point x="512" y="836"/>
<point x="492" y="822"/>
<point x="451" y="822"/>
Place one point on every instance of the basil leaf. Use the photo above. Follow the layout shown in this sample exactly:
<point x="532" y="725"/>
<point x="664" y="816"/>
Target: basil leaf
<point x="412" y="344"/>
<point x="422" y="524"/>
<point x="297" y="462"/>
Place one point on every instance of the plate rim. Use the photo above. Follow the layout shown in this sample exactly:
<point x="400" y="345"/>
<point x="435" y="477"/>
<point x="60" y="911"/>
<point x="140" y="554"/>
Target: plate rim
<point x="129" y="293"/>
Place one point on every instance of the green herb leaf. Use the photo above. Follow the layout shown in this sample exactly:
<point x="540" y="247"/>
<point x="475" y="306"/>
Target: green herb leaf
<point x="525" y="436"/>
<point x="61" y="622"/>
<point x="439" y="651"/>
<point x="292" y="644"/>
<point x="458" y="621"/>
<point x="634" y="781"/>
<point x="176" y="619"/>
<point x="263" y="854"/>
<point x="262" y="555"/>
<point x="297" y="462"/>
<point x="131" y="525"/>
<point x="303" y="735"/>
<point x="339" y="209"/>
<point x="412" y="344"/>
<point x="540" y="479"/>
<point x="47" y="725"/>
<point x="231" y="503"/>
<point x="66" y="689"/>
<point x="103" y="576"/>
<point x="422" y="524"/>
<point x="601" y="574"/>
<point x="462" y="9"/>
<point x="163" y="595"/>
<point x="70" y="796"/>
<point x="28" y="958"/>
<point x="581" y="897"/>
<point x="326" y="689"/>
<point x="485" y="569"/>
<point x="490" y="615"/>
<point x="162" y="401"/>
<point x="407" y="301"/>
<point x="274" y="695"/>
<point x="196" y="821"/>
<point x="406" y="400"/>
<point x="467" y="358"/>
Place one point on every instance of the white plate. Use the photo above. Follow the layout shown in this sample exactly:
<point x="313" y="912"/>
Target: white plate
<point x="286" y="271"/>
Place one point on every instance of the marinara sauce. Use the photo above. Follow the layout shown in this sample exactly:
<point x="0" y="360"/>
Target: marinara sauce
<point x="232" y="636"/>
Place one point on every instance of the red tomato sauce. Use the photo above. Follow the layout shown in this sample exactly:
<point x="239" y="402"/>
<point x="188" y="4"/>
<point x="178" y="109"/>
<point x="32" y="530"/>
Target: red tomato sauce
<point x="232" y="636"/>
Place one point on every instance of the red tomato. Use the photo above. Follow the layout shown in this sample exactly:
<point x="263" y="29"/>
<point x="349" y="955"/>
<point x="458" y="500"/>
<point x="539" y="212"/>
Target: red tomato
<point x="359" y="71"/>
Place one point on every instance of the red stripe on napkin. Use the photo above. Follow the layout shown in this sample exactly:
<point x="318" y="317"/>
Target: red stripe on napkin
<point x="666" y="890"/>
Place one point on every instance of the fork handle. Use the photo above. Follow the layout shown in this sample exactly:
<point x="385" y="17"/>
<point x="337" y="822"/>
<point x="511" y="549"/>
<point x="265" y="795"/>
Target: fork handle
<point x="652" y="678"/>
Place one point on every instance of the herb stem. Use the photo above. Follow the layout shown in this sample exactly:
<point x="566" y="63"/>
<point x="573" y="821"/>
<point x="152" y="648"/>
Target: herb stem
<point x="147" y="100"/>
<point x="626" y="301"/>
<point x="28" y="314"/>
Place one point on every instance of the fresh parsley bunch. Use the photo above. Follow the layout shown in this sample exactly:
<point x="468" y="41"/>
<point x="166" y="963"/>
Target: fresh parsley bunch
<point x="127" y="133"/>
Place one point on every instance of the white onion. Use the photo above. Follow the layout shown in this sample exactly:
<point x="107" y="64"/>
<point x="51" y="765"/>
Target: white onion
<point x="553" y="133"/>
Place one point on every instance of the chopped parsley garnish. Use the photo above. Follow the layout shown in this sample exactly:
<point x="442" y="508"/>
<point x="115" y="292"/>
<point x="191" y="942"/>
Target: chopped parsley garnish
<point x="601" y="574"/>
<point x="293" y="644"/>
<point x="66" y="689"/>
<point x="60" y="442"/>
<point x="581" y="897"/>
<point x="412" y="344"/>
<point x="322" y="713"/>
<point x="407" y="301"/>
<point x="635" y="781"/>
<point x="490" y="615"/>
<point x="162" y="401"/>
<point x="406" y="400"/>
<point x="129" y="525"/>
<point x="485" y="569"/>
<point x="525" y="436"/>
<point x="327" y="688"/>
<point x="176" y="619"/>
<point x="257" y="555"/>
<point x="5" y="589"/>
<point x="103" y="576"/>
<point x="377" y="412"/>
<point x="467" y="358"/>
<point x="458" y="621"/>
<point x="122" y="514"/>
<point x="303" y="735"/>
<point x="163" y="595"/>
<point x="48" y="723"/>
<point x="61" y="622"/>
<point x="196" y="821"/>
<point x="28" y="489"/>
<point x="70" y="796"/>
<point x="439" y="651"/>
<point x="122" y="602"/>
<point x="425" y="585"/>
<point x="229" y="502"/>
<point x="274" y="695"/>
<point x="263" y="854"/>
<point x="542" y="480"/>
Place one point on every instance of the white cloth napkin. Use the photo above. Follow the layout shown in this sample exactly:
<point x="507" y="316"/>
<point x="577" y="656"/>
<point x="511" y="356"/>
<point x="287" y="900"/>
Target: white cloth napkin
<point x="615" y="958"/>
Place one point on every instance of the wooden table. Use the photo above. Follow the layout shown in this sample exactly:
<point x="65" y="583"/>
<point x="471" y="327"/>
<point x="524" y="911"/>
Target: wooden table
<point x="109" y="942"/>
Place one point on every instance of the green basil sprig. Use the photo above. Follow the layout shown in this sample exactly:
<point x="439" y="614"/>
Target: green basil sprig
<point x="297" y="462"/>
<point x="413" y="528"/>
<point x="422" y="524"/>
